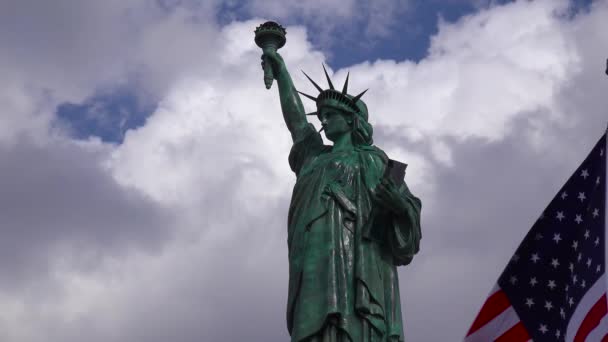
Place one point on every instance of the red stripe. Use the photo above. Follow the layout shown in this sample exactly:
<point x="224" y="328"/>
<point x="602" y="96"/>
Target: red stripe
<point x="494" y="306"/>
<point x="593" y="318"/>
<point x="517" y="333"/>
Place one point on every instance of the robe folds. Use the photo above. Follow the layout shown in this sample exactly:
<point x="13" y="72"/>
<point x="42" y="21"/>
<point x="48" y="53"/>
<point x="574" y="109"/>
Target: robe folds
<point x="343" y="247"/>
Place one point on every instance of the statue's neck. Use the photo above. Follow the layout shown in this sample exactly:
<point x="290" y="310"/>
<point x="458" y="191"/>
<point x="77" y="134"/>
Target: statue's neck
<point x="343" y="143"/>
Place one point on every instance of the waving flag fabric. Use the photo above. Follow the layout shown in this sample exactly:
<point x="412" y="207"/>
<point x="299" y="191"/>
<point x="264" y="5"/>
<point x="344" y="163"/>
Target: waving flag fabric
<point x="554" y="286"/>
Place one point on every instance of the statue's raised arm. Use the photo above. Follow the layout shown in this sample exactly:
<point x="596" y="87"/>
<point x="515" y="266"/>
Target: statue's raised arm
<point x="271" y="36"/>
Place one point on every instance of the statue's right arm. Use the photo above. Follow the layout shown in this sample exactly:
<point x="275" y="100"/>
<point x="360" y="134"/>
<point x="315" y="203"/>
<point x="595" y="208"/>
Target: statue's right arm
<point x="291" y="104"/>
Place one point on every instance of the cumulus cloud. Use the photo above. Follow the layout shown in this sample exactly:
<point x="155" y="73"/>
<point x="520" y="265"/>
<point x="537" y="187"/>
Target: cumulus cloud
<point x="179" y="232"/>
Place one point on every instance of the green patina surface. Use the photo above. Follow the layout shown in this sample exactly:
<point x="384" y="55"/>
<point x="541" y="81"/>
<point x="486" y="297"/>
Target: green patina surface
<point x="350" y="224"/>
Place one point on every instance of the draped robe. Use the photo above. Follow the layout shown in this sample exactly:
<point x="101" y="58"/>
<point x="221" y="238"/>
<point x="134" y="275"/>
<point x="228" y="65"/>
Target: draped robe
<point x="343" y="247"/>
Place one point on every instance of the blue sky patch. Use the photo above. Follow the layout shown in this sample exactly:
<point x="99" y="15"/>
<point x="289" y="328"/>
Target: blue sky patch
<point x="106" y="115"/>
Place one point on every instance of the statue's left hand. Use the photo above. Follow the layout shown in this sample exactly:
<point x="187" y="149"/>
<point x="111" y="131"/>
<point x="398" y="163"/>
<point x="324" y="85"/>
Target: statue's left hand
<point x="387" y="195"/>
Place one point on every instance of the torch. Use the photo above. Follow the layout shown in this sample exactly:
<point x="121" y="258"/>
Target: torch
<point x="270" y="36"/>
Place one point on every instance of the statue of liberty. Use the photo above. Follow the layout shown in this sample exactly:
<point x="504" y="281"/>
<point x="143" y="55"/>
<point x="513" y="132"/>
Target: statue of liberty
<point x="350" y="223"/>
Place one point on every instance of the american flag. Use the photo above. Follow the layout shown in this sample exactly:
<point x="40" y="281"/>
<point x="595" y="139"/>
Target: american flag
<point x="554" y="288"/>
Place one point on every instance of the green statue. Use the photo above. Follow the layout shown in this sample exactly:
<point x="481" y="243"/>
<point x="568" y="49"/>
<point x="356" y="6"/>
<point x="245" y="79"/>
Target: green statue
<point x="351" y="220"/>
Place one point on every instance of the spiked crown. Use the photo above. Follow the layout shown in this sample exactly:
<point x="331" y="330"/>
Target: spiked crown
<point x="336" y="98"/>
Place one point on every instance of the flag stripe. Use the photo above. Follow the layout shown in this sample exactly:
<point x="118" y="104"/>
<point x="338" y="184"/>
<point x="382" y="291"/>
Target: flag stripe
<point x="517" y="333"/>
<point x="496" y="327"/>
<point x="494" y="306"/>
<point x="600" y="332"/>
<point x="592" y="319"/>
<point x="589" y="299"/>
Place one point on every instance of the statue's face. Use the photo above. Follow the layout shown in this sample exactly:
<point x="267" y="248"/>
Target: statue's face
<point x="335" y="122"/>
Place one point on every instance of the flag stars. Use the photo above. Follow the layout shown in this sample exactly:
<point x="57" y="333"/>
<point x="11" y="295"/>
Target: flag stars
<point x="596" y="212"/>
<point x="562" y="313"/>
<point x="533" y="281"/>
<point x="535" y="258"/>
<point x="597" y="241"/>
<point x="597" y="269"/>
<point x="554" y="263"/>
<point x="529" y="302"/>
<point x="515" y="258"/>
<point x="588" y="262"/>
<point x="579" y="257"/>
<point x="558" y="333"/>
<point x="581" y="196"/>
<point x="543" y="328"/>
<point x="575" y="244"/>
<point x="585" y="174"/>
<point x="597" y="181"/>
<point x="583" y="283"/>
<point x="560" y="216"/>
<point x="557" y="238"/>
<point x="586" y="234"/>
<point x="574" y="279"/>
<point x="513" y="280"/>
<point x="578" y="219"/>
<point x="538" y="236"/>
<point x="571" y="267"/>
<point x="548" y="305"/>
<point x="564" y="195"/>
<point x="570" y="301"/>
<point x="551" y="284"/>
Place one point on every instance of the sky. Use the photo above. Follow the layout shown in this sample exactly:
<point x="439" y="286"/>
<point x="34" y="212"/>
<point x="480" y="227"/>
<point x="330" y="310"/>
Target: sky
<point x="143" y="164"/>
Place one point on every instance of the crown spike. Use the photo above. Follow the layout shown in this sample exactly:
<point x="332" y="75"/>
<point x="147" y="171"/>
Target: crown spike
<point x="356" y="98"/>
<point x="331" y="85"/>
<point x="345" y="88"/>
<point x="313" y="82"/>
<point x="310" y="97"/>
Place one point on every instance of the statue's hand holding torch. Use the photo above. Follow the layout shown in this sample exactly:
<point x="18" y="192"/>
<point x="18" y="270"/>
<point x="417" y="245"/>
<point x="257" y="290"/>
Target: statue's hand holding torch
<point x="270" y="36"/>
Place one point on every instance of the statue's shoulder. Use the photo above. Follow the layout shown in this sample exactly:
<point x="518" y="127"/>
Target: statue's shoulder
<point x="374" y="153"/>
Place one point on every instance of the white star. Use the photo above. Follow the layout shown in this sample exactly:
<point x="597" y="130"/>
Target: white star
<point x="571" y="267"/>
<point x="578" y="219"/>
<point x="538" y="236"/>
<point x="597" y="269"/>
<point x="564" y="195"/>
<point x="558" y="334"/>
<point x="557" y="238"/>
<point x="548" y="305"/>
<point x="588" y="262"/>
<point x="535" y="258"/>
<point x="567" y="287"/>
<point x="597" y="241"/>
<point x="583" y="283"/>
<point x="581" y="196"/>
<point x="551" y="284"/>
<point x="570" y="301"/>
<point x="513" y="280"/>
<point x="585" y="174"/>
<point x="560" y="215"/>
<point x="586" y="234"/>
<point x="574" y="279"/>
<point x="575" y="244"/>
<point x="597" y="181"/>
<point x="596" y="212"/>
<point x="543" y="328"/>
<point x="554" y="263"/>
<point x="562" y="312"/>
<point x="515" y="258"/>
<point x="529" y="302"/>
<point x="579" y="257"/>
<point x="533" y="281"/>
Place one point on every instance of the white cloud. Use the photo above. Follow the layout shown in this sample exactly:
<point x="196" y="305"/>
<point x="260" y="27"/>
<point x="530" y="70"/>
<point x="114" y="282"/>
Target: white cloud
<point x="478" y="121"/>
